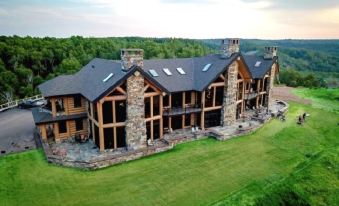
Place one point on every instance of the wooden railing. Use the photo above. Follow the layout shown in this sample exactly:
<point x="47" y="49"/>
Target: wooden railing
<point x="15" y="103"/>
<point x="180" y="110"/>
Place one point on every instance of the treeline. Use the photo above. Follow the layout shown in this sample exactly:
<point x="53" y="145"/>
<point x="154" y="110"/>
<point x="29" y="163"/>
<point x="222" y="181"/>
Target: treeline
<point x="293" y="78"/>
<point x="303" y="55"/>
<point x="26" y="62"/>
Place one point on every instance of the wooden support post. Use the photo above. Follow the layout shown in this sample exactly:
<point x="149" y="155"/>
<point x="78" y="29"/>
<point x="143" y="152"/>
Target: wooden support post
<point x="65" y="102"/>
<point x="115" y="137"/>
<point x="214" y="93"/>
<point x="114" y="121"/>
<point x="183" y="106"/>
<point x="170" y="106"/>
<point x="43" y="132"/>
<point x="93" y="133"/>
<point x="53" y="107"/>
<point x="151" y="122"/>
<point x="56" y="131"/>
<point x="152" y="130"/>
<point x="202" y="118"/>
<point x="192" y="103"/>
<point x="161" y="120"/>
<point x="101" y="129"/>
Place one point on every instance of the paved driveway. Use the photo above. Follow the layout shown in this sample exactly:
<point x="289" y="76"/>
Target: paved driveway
<point x="16" y="131"/>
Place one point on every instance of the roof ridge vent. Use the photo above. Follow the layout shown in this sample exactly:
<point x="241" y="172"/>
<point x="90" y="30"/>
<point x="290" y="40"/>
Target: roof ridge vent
<point x="108" y="77"/>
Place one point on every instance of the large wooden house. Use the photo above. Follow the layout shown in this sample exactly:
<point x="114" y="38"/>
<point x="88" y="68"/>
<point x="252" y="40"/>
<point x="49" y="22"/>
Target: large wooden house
<point x="129" y="102"/>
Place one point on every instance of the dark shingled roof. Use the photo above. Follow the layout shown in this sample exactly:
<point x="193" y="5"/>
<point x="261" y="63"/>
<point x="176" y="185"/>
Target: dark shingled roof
<point x="41" y="116"/>
<point x="195" y="78"/>
<point x="260" y="71"/>
<point x="89" y="80"/>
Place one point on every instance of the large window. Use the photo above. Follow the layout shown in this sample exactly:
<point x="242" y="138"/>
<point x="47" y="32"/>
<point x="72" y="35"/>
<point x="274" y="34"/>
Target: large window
<point x="187" y="97"/>
<point x="79" y="124"/>
<point x="120" y="111"/>
<point x="109" y="138"/>
<point x="77" y="101"/>
<point x="209" y="95"/>
<point x="156" y="105"/>
<point x="95" y="112"/>
<point x="177" y="100"/>
<point x="121" y="137"/>
<point x="59" y="104"/>
<point x="62" y="127"/>
<point x="96" y="134"/>
<point x="147" y="107"/>
<point x="107" y="111"/>
<point x="156" y="129"/>
<point x="219" y="96"/>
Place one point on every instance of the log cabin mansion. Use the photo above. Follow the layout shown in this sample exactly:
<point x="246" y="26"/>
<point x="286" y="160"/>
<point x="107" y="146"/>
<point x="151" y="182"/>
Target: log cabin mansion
<point x="130" y="104"/>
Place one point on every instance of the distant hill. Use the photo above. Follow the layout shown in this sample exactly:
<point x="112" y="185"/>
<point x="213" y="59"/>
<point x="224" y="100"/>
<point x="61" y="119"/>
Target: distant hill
<point x="303" y="55"/>
<point x="26" y="62"/>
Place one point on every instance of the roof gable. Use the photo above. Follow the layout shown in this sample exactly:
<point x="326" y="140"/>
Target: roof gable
<point x="257" y="70"/>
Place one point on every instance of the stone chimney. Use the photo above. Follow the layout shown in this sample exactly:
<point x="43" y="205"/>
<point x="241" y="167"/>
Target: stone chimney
<point x="229" y="47"/>
<point x="130" y="57"/>
<point x="270" y="52"/>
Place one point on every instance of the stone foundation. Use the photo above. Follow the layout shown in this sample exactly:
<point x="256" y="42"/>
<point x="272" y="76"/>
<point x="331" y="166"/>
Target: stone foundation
<point x="95" y="160"/>
<point x="105" y="159"/>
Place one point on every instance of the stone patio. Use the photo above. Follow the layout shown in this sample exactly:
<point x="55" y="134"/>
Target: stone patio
<point x="87" y="155"/>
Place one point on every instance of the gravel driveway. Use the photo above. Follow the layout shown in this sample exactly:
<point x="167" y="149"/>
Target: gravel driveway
<point x="16" y="131"/>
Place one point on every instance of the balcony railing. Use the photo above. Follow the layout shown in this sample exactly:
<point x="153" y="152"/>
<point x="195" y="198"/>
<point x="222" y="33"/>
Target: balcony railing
<point x="188" y="109"/>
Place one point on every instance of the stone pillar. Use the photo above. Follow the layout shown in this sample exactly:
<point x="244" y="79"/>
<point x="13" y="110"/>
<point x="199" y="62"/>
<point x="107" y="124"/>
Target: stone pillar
<point x="229" y="109"/>
<point x="269" y="101"/>
<point x="229" y="47"/>
<point x="135" y="124"/>
<point x="130" y="57"/>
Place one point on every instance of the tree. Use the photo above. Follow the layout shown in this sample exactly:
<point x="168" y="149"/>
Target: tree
<point x="69" y="65"/>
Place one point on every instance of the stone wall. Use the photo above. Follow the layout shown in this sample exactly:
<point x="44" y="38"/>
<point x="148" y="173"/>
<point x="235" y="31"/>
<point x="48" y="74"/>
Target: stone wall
<point x="130" y="57"/>
<point x="135" y="124"/>
<point x="228" y="112"/>
<point x="229" y="47"/>
<point x="269" y="88"/>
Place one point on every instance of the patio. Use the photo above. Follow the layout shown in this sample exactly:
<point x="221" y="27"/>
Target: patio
<point x="87" y="155"/>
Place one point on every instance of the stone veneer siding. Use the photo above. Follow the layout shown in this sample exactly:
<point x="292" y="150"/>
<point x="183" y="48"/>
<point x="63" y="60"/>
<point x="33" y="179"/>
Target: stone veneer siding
<point x="228" y="111"/>
<point x="135" y="124"/>
<point x="269" y="88"/>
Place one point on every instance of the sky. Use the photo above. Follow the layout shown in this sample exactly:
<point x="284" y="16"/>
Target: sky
<point x="196" y="19"/>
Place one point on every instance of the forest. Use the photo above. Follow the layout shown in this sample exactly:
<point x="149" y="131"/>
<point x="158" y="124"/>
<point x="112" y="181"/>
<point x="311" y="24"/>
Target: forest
<point x="26" y="62"/>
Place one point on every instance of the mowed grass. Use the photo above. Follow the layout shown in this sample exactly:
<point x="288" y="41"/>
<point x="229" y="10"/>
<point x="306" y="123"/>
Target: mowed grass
<point x="327" y="99"/>
<point x="197" y="173"/>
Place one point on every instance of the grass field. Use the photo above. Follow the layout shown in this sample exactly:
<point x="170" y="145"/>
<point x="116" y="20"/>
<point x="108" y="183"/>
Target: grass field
<point x="205" y="172"/>
<point x="327" y="99"/>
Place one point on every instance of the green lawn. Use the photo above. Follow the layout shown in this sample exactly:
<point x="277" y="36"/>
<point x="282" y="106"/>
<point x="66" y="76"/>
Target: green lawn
<point x="196" y="173"/>
<point x="327" y="99"/>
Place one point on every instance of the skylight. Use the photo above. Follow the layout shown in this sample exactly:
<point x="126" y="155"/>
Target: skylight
<point x="108" y="77"/>
<point x="167" y="71"/>
<point x="181" y="71"/>
<point x="153" y="73"/>
<point x="206" y="67"/>
<point x="257" y="64"/>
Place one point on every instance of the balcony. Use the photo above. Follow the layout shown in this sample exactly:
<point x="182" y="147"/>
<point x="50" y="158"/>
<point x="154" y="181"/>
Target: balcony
<point x="188" y="109"/>
<point x="251" y="95"/>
